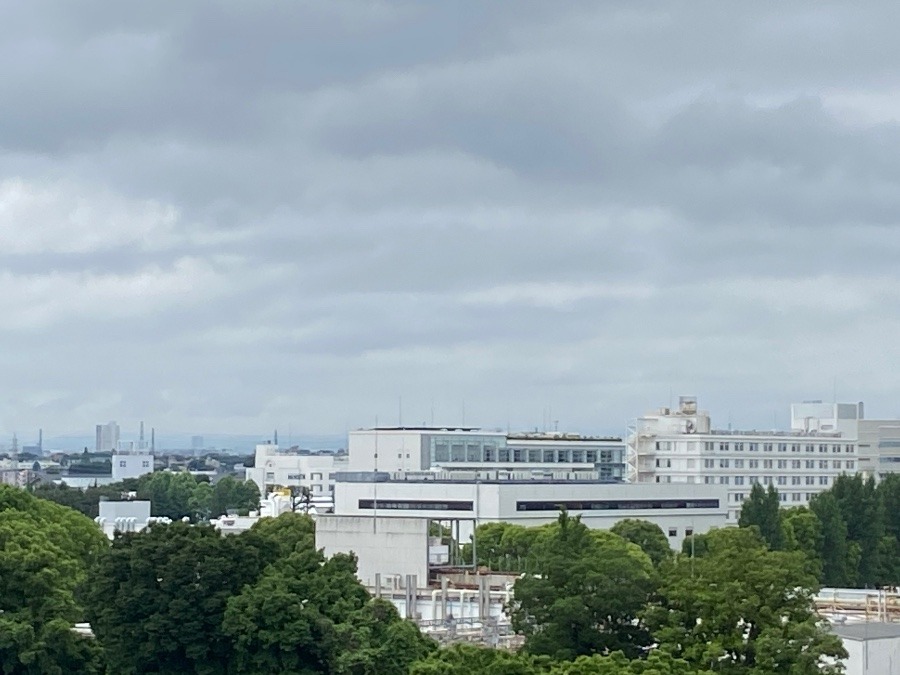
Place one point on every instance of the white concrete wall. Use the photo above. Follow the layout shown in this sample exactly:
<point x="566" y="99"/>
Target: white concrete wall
<point x="872" y="657"/>
<point x="131" y="466"/>
<point x="392" y="547"/>
<point x="398" y="450"/>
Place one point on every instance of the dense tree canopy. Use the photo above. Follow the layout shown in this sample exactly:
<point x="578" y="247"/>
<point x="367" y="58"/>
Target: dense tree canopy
<point x="45" y="550"/>
<point x="742" y="608"/>
<point x="647" y="535"/>
<point x="585" y="595"/>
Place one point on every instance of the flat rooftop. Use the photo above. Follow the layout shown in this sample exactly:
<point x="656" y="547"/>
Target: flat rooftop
<point x="867" y="631"/>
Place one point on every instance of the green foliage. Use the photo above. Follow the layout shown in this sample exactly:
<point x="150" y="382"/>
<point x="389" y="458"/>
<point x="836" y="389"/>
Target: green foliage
<point x="85" y="501"/>
<point x="310" y="615"/>
<point x="585" y="595"/>
<point x="648" y="536"/>
<point x="157" y="598"/>
<point x="763" y="510"/>
<point x="742" y="608"/>
<point x="466" y="660"/>
<point x="230" y="493"/>
<point x="45" y="550"/>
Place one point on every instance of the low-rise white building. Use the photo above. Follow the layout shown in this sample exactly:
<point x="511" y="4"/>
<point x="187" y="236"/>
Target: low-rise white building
<point x="277" y="468"/>
<point x="131" y="459"/>
<point x="680" y="446"/>
<point x="125" y="516"/>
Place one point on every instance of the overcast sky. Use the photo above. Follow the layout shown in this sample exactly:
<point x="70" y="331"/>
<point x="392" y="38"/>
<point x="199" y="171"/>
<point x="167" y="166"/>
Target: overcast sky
<point x="231" y="216"/>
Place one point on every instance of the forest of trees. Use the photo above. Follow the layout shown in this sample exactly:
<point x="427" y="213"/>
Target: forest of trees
<point x="183" y="598"/>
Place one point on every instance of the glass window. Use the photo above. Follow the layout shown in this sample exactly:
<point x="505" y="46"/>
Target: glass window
<point x="503" y="454"/>
<point x="534" y="456"/>
<point x="457" y="452"/>
<point x="548" y="456"/>
<point x="473" y="452"/>
<point x="578" y="456"/>
<point x="441" y="452"/>
<point x="590" y="456"/>
<point x="490" y="452"/>
<point x="782" y="447"/>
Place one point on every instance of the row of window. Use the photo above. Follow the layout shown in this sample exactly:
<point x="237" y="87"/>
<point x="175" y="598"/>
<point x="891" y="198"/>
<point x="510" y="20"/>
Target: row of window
<point x="549" y="505"/>
<point x="459" y="452"/>
<point x="740" y="446"/>
<point x="782" y="496"/>
<point x="766" y="480"/>
<point x="618" y="505"/>
<point x="769" y="464"/>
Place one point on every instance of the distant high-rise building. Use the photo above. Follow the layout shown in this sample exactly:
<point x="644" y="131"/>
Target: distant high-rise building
<point x="107" y="437"/>
<point x="197" y="443"/>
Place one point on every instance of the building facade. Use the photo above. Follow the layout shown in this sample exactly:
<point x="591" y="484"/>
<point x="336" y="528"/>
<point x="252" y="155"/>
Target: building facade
<point x="277" y="468"/>
<point x="680" y="446"/>
<point x="469" y="449"/>
<point x="131" y="459"/>
<point x="107" y="437"/>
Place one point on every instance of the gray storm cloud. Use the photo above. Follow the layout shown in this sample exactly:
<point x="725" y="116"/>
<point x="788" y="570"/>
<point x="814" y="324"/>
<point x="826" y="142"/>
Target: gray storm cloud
<point x="225" y="217"/>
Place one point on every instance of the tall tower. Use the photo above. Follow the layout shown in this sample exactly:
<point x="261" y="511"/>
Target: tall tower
<point x="142" y="432"/>
<point x="276" y="437"/>
<point x="152" y="439"/>
<point x="41" y="441"/>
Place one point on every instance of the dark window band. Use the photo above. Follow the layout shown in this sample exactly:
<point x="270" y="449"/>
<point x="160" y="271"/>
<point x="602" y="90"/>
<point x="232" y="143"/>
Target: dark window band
<point x="414" y="505"/>
<point x="618" y="505"/>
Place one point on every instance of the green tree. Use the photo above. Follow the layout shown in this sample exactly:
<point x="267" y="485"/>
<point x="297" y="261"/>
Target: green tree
<point x="586" y="594"/>
<point x="231" y="493"/>
<point x="838" y="570"/>
<point x="157" y="598"/>
<point x="311" y="615"/>
<point x="462" y="659"/>
<point x="862" y="511"/>
<point x="742" y="608"/>
<point x="649" y="536"/>
<point x="803" y="532"/>
<point x="763" y="510"/>
<point x="45" y="550"/>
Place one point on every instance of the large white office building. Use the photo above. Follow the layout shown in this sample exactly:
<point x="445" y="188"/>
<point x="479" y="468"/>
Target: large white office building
<point x="399" y="449"/>
<point x="400" y="480"/>
<point x="680" y="446"/>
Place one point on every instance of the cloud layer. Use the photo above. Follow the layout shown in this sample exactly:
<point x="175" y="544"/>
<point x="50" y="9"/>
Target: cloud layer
<point x="226" y="217"/>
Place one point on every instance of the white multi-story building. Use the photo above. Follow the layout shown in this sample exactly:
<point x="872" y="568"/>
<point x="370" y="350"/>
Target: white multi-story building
<point x="276" y="468"/>
<point x="131" y="459"/>
<point x="470" y="449"/>
<point x="107" y="437"/>
<point x="679" y="446"/>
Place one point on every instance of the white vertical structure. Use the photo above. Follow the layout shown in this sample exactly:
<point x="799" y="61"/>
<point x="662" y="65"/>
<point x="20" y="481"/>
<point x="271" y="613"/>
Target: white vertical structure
<point x="679" y="446"/>
<point x="107" y="437"/>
